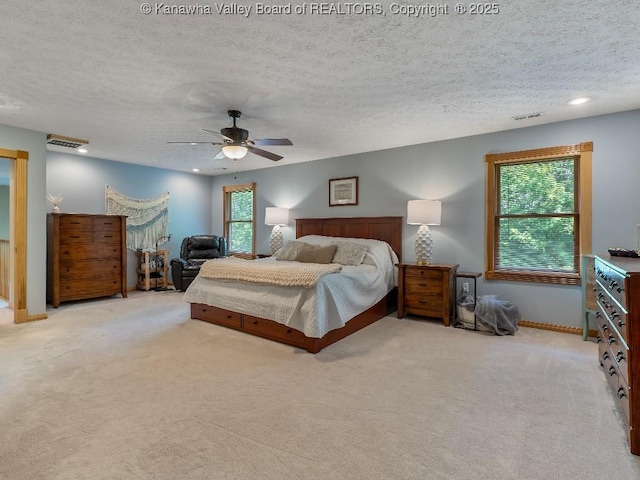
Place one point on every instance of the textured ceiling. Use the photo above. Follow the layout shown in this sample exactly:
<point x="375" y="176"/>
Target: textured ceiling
<point x="333" y="83"/>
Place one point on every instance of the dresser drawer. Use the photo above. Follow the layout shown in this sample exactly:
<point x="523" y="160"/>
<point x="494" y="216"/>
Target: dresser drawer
<point x="612" y="348"/>
<point x="106" y="223"/>
<point x="612" y="282"/>
<point x="622" y="396"/>
<point x="105" y="236"/>
<point x="75" y="237"/>
<point x="75" y="223"/>
<point x="613" y="312"/>
<point x="86" y="251"/>
<point x="90" y="269"/>
<point x="90" y="287"/>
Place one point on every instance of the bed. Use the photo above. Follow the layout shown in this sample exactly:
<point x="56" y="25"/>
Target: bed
<point x="221" y="302"/>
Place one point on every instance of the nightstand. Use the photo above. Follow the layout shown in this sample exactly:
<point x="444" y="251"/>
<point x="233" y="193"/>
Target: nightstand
<point x="426" y="290"/>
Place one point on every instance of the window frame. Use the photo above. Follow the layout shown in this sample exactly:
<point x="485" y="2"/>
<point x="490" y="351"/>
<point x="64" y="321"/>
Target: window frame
<point x="582" y="153"/>
<point x="227" y="190"/>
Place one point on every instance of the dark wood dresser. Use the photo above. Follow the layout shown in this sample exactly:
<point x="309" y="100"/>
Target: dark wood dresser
<point x="618" y="315"/>
<point x="86" y="256"/>
<point x="426" y="290"/>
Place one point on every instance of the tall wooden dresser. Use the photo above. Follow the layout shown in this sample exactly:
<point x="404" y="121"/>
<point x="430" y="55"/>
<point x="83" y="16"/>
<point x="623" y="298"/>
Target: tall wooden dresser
<point x="86" y="256"/>
<point x="618" y="314"/>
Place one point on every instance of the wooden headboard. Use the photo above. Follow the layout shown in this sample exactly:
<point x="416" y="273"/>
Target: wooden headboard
<point x="387" y="229"/>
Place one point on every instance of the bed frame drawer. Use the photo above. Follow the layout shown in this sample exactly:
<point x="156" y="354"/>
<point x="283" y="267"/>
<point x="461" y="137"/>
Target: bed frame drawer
<point x="273" y="330"/>
<point x="216" y="315"/>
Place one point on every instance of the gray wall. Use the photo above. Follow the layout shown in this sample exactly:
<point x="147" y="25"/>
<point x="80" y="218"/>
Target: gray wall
<point x="454" y="172"/>
<point x="81" y="181"/>
<point x="13" y="138"/>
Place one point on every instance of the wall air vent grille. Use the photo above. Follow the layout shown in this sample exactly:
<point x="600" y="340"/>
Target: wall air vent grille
<point x="527" y="116"/>
<point x="60" y="141"/>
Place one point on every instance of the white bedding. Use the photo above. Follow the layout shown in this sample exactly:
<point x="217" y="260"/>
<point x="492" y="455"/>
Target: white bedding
<point x="336" y="298"/>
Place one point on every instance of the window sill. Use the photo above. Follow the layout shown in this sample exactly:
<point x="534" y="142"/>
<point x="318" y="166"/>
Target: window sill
<point x="535" y="277"/>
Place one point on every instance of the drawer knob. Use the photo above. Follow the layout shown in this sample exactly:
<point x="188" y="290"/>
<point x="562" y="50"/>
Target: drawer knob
<point x="620" y="393"/>
<point x="422" y="284"/>
<point x="605" y="355"/>
<point x="598" y="339"/>
<point x="619" y="356"/>
<point x="612" y="371"/>
<point x="620" y="323"/>
<point x="611" y="339"/>
<point x="598" y="315"/>
<point x="604" y="327"/>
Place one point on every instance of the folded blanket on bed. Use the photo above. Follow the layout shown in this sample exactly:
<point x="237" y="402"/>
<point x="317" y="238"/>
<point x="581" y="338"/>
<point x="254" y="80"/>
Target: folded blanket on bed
<point x="284" y="274"/>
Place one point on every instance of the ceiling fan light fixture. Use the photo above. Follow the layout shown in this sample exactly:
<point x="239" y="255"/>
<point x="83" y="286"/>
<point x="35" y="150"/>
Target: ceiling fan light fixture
<point x="235" y="152"/>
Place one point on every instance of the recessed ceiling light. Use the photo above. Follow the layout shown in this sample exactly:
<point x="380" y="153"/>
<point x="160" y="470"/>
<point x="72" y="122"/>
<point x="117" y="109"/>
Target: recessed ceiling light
<point x="8" y="103"/>
<point x="195" y="169"/>
<point x="82" y="150"/>
<point x="578" y="101"/>
<point x="193" y="143"/>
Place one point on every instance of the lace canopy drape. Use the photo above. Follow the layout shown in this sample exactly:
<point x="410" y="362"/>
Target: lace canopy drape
<point x="147" y="220"/>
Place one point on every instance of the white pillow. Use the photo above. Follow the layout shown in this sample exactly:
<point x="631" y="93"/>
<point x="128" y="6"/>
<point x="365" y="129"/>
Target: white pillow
<point x="349" y="253"/>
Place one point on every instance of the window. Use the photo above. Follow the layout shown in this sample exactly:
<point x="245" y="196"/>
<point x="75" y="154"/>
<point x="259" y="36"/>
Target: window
<point x="538" y="214"/>
<point x="239" y="215"/>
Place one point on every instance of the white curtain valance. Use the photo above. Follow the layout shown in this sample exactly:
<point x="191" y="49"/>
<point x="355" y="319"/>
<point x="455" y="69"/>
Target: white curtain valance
<point x="147" y="220"/>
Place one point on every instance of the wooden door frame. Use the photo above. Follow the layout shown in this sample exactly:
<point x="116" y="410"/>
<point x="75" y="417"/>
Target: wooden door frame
<point x="18" y="237"/>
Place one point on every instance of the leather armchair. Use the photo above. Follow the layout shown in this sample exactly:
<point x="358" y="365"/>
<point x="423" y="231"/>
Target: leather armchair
<point x="194" y="251"/>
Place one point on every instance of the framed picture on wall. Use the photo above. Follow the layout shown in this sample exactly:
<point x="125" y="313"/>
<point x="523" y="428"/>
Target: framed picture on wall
<point x="343" y="191"/>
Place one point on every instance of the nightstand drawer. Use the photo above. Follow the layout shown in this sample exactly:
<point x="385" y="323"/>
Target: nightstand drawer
<point x="413" y="273"/>
<point x="424" y="286"/>
<point x="428" y="305"/>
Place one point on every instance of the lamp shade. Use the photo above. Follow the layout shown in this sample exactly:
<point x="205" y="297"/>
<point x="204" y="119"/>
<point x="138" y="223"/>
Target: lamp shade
<point x="424" y="212"/>
<point x="276" y="216"/>
<point x="234" y="151"/>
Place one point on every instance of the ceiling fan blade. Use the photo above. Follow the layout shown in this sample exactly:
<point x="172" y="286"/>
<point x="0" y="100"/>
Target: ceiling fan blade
<point x="218" y="134"/>
<point x="265" y="154"/>
<point x="220" y="155"/>
<point x="191" y="143"/>
<point x="271" y="141"/>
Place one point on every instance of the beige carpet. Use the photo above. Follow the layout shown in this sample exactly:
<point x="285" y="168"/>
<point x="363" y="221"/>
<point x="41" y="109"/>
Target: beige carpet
<point x="134" y="389"/>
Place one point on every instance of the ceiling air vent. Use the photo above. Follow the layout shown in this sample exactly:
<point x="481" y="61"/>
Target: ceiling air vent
<point x="527" y="116"/>
<point x="60" y="141"/>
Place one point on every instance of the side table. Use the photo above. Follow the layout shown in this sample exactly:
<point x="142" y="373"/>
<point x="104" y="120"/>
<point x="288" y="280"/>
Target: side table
<point x="474" y="276"/>
<point x="426" y="290"/>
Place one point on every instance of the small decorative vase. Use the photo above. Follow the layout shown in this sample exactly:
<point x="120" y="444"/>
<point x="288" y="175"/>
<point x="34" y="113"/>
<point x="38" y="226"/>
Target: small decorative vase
<point x="55" y="209"/>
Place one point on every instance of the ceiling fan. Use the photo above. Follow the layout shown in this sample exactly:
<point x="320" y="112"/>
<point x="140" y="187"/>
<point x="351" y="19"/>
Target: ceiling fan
<point x="236" y="142"/>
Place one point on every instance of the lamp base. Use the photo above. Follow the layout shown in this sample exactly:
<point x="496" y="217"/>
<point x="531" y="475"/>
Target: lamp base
<point x="276" y="239"/>
<point x="424" y="246"/>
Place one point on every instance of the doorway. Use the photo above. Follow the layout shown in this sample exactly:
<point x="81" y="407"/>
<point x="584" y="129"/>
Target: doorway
<point x="6" y="312"/>
<point x="17" y="232"/>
